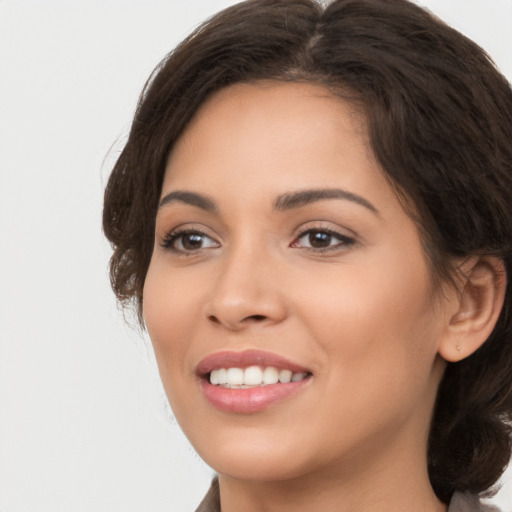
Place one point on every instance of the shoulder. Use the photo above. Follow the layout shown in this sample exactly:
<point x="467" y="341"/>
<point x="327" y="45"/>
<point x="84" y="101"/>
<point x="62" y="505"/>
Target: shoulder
<point x="462" y="502"/>
<point x="211" y="502"/>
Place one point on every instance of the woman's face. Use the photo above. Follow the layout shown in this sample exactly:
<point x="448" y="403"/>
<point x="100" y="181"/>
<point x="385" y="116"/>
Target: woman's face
<point x="282" y="253"/>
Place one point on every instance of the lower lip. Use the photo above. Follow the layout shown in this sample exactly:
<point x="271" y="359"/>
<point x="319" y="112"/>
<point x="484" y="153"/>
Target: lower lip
<point x="250" y="399"/>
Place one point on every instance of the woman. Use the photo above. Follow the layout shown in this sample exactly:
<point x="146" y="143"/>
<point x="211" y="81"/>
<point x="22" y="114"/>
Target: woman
<point x="312" y="216"/>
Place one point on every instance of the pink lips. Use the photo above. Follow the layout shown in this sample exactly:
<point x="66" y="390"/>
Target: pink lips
<point x="251" y="399"/>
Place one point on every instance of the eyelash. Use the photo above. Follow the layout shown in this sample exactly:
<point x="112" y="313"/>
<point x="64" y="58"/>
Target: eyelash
<point x="344" y="241"/>
<point x="171" y="238"/>
<point x="169" y="241"/>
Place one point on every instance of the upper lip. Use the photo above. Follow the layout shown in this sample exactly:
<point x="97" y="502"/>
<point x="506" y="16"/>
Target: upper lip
<point x="232" y="359"/>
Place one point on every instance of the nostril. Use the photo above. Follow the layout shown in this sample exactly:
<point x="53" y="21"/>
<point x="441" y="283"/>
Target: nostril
<point x="213" y="319"/>
<point x="237" y="322"/>
<point x="257" y="318"/>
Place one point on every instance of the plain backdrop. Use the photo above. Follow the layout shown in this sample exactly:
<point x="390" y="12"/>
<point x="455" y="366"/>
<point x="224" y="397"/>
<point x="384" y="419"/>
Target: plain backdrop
<point x="84" y="425"/>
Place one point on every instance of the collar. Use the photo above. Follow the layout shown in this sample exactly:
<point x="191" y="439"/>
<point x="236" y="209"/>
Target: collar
<point x="460" y="502"/>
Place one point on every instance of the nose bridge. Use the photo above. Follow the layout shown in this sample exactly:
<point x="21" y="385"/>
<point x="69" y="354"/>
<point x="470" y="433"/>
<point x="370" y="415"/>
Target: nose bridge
<point x="246" y="289"/>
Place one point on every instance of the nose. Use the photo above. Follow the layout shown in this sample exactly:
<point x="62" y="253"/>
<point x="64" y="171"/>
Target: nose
<point x="246" y="292"/>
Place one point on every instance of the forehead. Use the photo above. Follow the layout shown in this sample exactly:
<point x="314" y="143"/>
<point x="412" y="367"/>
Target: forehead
<point x="265" y="126"/>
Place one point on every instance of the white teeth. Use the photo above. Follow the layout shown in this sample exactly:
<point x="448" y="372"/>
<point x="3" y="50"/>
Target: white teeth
<point x="270" y="375"/>
<point x="222" y="376"/>
<point x="235" y="376"/>
<point x="285" y="376"/>
<point x="214" y="377"/>
<point x="253" y="376"/>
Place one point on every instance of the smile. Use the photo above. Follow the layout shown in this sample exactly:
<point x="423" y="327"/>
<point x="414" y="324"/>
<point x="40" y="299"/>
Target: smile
<point x="250" y="381"/>
<point x="253" y="376"/>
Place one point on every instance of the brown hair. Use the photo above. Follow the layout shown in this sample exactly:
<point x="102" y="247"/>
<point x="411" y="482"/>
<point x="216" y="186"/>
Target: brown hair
<point x="440" y="124"/>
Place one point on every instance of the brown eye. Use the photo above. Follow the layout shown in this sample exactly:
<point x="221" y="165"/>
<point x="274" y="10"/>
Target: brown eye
<point x="319" y="239"/>
<point x="322" y="240"/>
<point x="188" y="241"/>
<point x="191" y="241"/>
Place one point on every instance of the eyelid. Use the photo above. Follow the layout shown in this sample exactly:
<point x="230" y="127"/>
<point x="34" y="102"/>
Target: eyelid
<point x="325" y="225"/>
<point x="169" y="237"/>
<point x="345" y="240"/>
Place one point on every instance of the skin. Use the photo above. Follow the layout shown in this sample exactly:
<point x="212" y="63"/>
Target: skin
<point x="360" y="313"/>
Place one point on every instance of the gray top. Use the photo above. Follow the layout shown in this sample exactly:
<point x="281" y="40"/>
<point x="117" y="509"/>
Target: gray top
<point x="468" y="503"/>
<point x="459" y="503"/>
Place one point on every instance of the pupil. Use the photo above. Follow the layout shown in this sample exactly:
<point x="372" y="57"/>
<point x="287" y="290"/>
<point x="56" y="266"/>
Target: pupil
<point x="192" y="241"/>
<point x="319" y="239"/>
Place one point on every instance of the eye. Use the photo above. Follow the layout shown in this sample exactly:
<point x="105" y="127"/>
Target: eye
<point x="188" y="241"/>
<point x="322" y="240"/>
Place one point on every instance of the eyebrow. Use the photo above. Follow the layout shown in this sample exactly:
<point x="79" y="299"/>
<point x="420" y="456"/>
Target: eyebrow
<point x="191" y="198"/>
<point x="283" y="202"/>
<point x="305" y="197"/>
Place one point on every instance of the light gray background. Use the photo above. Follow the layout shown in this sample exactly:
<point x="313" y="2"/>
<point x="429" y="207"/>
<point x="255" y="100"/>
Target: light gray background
<point x="83" y="421"/>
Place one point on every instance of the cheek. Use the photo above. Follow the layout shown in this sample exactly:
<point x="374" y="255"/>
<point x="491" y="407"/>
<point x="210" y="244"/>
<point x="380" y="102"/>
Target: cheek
<point x="171" y="308"/>
<point x="379" y="347"/>
<point x="377" y="323"/>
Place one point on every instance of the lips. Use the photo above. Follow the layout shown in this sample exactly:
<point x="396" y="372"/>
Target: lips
<point x="249" y="381"/>
<point x="228" y="359"/>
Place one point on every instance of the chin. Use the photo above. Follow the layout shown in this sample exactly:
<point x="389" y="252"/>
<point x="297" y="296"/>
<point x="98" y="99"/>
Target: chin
<point x="252" y="456"/>
<point x="256" y="467"/>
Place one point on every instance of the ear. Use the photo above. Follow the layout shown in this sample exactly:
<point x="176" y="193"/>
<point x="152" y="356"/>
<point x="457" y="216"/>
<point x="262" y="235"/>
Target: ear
<point x="478" y="305"/>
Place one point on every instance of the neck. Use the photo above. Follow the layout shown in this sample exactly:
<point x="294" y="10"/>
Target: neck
<point x="375" y="484"/>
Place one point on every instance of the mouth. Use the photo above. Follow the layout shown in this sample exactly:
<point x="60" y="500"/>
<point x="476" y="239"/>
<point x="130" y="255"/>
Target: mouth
<point x="253" y="376"/>
<point x="249" y="381"/>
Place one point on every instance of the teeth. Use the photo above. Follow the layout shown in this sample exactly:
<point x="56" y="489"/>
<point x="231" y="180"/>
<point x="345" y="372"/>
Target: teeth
<point x="235" y="376"/>
<point x="285" y="376"/>
<point x="214" y="377"/>
<point x="270" y="375"/>
<point x="222" y="376"/>
<point x="252" y="376"/>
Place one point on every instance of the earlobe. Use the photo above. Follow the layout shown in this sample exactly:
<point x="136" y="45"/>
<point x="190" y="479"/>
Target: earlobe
<point x="479" y="304"/>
